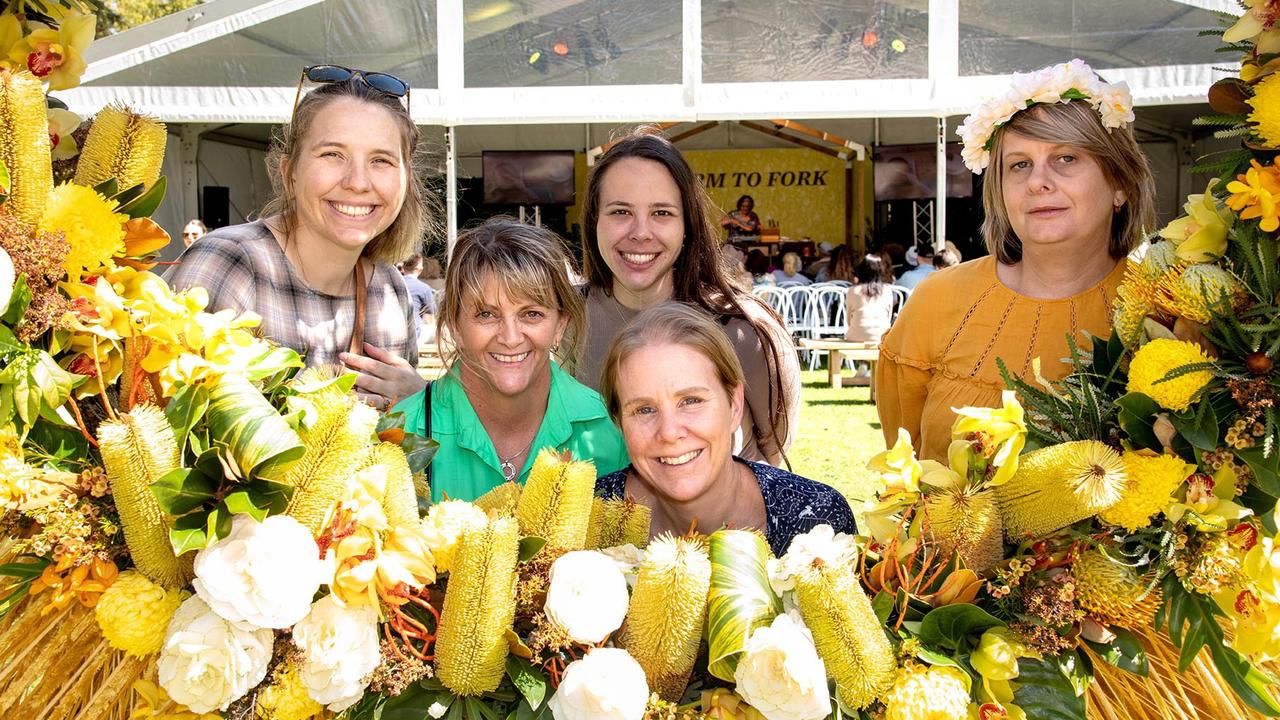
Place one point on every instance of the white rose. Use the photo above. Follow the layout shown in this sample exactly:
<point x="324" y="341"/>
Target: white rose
<point x="586" y="595"/>
<point x="207" y="663"/>
<point x="263" y="574"/>
<point x="628" y="558"/>
<point x="780" y="673"/>
<point x="7" y="279"/>
<point x="607" y="684"/>
<point x="339" y="649"/>
<point x="820" y="543"/>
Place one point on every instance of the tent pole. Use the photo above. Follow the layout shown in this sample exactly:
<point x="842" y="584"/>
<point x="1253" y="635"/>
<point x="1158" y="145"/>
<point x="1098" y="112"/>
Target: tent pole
<point x="189" y="135"/>
<point x="940" y="209"/>
<point x="451" y="184"/>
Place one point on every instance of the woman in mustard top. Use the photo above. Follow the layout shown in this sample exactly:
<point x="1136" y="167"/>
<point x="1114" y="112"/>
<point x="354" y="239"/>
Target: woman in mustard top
<point x="1068" y="196"/>
<point x="508" y="307"/>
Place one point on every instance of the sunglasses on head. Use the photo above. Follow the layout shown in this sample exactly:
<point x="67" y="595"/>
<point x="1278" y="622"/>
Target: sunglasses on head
<point x="329" y="74"/>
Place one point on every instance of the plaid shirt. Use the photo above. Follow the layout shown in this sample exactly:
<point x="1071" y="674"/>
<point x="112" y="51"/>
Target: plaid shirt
<point x="243" y="268"/>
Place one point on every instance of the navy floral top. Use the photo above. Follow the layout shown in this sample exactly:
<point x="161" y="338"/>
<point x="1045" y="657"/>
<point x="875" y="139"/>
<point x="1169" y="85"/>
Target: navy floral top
<point x="793" y="505"/>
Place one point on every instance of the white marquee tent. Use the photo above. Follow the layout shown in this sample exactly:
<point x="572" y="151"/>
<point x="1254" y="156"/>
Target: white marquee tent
<point x="559" y="62"/>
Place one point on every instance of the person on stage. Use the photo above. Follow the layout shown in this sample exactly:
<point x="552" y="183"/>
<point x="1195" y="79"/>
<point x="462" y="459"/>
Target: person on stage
<point x="742" y="222"/>
<point x="1068" y="196"/>
<point x="649" y="239"/>
<point x="673" y="383"/>
<point x="508" y="312"/>
<point x="318" y="265"/>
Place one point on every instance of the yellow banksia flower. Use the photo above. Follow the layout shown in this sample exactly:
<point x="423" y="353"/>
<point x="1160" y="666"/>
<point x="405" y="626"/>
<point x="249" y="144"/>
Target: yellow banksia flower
<point x="664" y="622"/>
<point x="1152" y="480"/>
<point x="1058" y="486"/>
<point x="618" y="521"/>
<point x="928" y="693"/>
<point x="500" y="501"/>
<point x="94" y="230"/>
<point x="479" y="606"/>
<point x="24" y="145"/>
<point x="137" y="449"/>
<point x="1130" y="313"/>
<point x="286" y="697"/>
<point x="967" y="522"/>
<point x="555" y="504"/>
<point x="1196" y="292"/>
<point x="846" y="631"/>
<point x="336" y="444"/>
<point x="124" y="145"/>
<point x="400" y="503"/>
<point x="134" y="612"/>
<point x="1112" y="592"/>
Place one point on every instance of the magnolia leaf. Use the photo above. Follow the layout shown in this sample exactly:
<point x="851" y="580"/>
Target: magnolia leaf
<point x="530" y="546"/>
<point x="146" y="203"/>
<point x="129" y="194"/>
<point x="188" y="533"/>
<point x="529" y="680"/>
<point x="259" y="440"/>
<point x="949" y="625"/>
<point x="1125" y="652"/>
<point x="143" y="237"/>
<point x="1044" y="693"/>
<point x="246" y="502"/>
<point x="418" y="451"/>
<point x="185" y="409"/>
<point x="1137" y="417"/>
<point x="107" y="188"/>
<point x="1266" y="470"/>
<point x="182" y="490"/>
<point x="272" y="362"/>
<point x="741" y="598"/>
<point x="274" y="495"/>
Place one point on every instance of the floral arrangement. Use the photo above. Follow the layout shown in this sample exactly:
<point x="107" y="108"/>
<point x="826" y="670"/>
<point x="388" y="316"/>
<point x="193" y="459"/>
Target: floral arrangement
<point x="1073" y="80"/>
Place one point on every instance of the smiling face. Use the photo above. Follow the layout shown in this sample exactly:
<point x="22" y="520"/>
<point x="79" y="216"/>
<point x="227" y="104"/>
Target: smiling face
<point x="505" y="342"/>
<point x="1056" y="194"/>
<point x="677" y="419"/>
<point x="351" y="175"/>
<point x="640" y="231"/>
<point x="746" y="205"/>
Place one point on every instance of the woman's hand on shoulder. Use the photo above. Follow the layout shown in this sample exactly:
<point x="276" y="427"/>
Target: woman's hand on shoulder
<point x="384" y="378"/>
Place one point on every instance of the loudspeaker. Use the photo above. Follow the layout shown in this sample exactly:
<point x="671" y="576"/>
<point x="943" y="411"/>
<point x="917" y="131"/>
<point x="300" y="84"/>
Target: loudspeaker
<point x="215" y="206"/>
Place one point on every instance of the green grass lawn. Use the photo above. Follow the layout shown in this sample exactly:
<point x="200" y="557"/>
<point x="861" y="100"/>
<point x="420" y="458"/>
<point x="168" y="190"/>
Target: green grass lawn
<point x="838" y="433"/>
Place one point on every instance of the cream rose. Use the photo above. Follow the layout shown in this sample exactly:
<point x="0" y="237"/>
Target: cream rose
<point x="339" y="649"/>
<point x="207" y="663"/>
<point x="780" y="672"/>
<point x="607" y="684"/>
<point x="587" y="595"/>
<point x="262" y="574"/>
<point x="820" y="543"/>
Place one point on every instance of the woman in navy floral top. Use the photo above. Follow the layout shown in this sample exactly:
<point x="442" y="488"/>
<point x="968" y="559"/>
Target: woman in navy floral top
<point x="673" y="383"/>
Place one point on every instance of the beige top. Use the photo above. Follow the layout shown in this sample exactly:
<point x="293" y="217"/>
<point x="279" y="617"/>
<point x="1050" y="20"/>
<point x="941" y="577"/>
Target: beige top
<point x="606" y="317"/>
<point x="941" y="351"/>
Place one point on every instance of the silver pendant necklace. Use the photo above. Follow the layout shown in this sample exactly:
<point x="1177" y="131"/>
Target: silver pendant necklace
<point x="507" y="465"/>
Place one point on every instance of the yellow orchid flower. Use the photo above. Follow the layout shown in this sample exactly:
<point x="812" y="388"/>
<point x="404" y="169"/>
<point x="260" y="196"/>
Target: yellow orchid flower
<point x="1004" y="428"/>
<point x="1258" y="16"/>
<point x="1262" y="566"/>
<point x="1200" y="235"/>
<point x="10" y="36"/>
<point x="1207" y="502"/>
<point x="996" y="660"/>
<point x="61" y="124"/>
<point x="56" y="55"/>
<point x="898" y="467"/>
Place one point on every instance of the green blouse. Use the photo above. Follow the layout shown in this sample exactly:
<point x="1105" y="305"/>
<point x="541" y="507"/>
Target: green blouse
<point x="466" y="466"/>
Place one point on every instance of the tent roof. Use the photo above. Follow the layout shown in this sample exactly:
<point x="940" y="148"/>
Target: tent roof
<point x="550" y="61"/>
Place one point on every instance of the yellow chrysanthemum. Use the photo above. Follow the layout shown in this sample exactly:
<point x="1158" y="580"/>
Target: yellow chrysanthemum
<point x="1153" y="362"/>
<point x="134" y="612"/>
<point x="286" y="698"/>
<point x="1152" y="480"/>
<point x="444" y="525"/>
<point x="927" y="693"/>
<point x="1254" y="194"/>
<point x="1266" y="110"/>
<point x="95" y="231"/>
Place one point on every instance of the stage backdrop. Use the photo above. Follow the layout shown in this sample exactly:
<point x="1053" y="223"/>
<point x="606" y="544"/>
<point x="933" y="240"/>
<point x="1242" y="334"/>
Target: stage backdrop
<point x="802" y="190"/>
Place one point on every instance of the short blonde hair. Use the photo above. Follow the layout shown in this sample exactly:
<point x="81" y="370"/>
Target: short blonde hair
<point x="1075" y="124"/>
<point x="419" y="215"/>
<point x="529" y="262"/>
<point x="669" y="323"/>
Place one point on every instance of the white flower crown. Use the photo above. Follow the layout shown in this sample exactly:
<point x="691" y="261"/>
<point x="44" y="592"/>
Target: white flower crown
<point x="1069" y="81"/>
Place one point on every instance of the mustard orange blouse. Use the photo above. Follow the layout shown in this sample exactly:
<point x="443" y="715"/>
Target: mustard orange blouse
<point x="941" y="351"/>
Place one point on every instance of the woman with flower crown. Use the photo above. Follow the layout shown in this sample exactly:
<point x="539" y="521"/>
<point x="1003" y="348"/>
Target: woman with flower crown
<point x="1068" y="196"/>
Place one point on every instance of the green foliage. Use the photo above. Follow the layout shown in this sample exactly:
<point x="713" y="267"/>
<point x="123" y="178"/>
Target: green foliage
<point x="1125" y="652"/>
<point x="119" y="15"/>
<point x="1045" y="692"/>
<point x="951" y="625"/>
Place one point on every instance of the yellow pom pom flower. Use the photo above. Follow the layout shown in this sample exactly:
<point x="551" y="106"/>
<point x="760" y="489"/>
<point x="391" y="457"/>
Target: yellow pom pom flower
<point x="94" y="230"/>
<point x="286" y="698"/>
<point x="1266" y="110"/>
<point x="927" y="693"/>
<point x="1152" y="480"/>
<point x="1155" y="360"/>
<point x="134" y="612"/>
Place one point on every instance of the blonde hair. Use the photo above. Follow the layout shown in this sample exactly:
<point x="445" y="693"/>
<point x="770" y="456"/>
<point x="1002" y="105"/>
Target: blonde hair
<point x="528" y="262"/>
<point x="419" y="214"/>
<point x="670" y="323"/>
<point x="1077" y="125"/>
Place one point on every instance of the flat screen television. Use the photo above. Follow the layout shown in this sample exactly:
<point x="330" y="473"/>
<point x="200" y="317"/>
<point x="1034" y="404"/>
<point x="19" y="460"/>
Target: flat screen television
<point x="528" y="177"/>
<point x="909" y="172"/>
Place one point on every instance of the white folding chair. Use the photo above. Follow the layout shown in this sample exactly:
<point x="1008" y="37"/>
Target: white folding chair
<point x="900" y="296"/>
<point x="828" y="315"/>
<point x="776" y="298"/>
